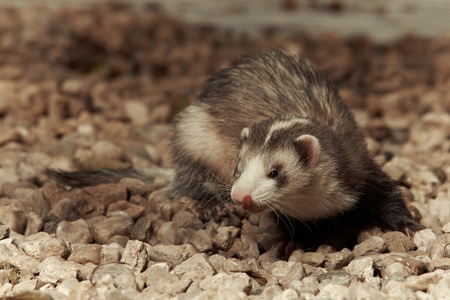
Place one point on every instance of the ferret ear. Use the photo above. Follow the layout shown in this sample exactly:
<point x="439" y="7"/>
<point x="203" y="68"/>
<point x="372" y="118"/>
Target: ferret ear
<point x="309" y="146"/>
<point x="245" y="133"/>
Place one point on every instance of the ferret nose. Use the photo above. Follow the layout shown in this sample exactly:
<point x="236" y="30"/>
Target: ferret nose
<point x="246" y="201"/>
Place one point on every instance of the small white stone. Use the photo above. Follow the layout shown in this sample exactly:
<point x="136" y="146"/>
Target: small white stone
<point x="55" y="274"/>
<point x="198" y="262"/>
<point x="335" y="291"/>
<point x="234" y="282"/>
<point x="31" y="248"/>
<point x="424" y="237"/>
<point x="135" y="255"/>
<point x="363" y="290"/>
<point x="439" y="207"/>
<point x="397" y="290"/>
<point x="26" y="285"/>
<point x="446" y="227"/>
<point x="396" y="270"/>
<point x="137" y="111"/>
<point x="6" y="290"/>
<point x="287" y="294"/>
<point x="420" y="283"/>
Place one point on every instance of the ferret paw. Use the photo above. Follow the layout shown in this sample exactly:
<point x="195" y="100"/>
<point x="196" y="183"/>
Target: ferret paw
<point x="424" y="237"/>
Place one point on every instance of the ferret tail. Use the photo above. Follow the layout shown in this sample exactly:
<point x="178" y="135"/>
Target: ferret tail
<point x="101" y="176"/>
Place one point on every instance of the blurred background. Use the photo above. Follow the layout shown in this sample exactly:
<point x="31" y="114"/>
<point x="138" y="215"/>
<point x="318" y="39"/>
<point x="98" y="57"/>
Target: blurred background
<point x="142" y="61"/>
<point x="382" y="20"/>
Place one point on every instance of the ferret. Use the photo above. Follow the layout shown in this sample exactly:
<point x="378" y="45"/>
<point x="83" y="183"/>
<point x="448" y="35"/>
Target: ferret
<point x="272" y="134"/>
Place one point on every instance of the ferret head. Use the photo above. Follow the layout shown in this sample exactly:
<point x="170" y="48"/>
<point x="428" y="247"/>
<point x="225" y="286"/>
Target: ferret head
<point x="283" y="167"/>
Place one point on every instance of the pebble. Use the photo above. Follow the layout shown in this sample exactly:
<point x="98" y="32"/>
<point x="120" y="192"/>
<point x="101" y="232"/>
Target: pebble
<point x="8" y="175"/>
<point x="295" y="273"/>
<point x="119" y="239"/>
<point x="135" y="255"/>
<point x="186" y="219"/>
<point x="225" y="236"/>
<point x="93" y="200"/>
<point x="200" y="239"/>
<point x="250" y="247"/>
<point x="334" y="291"/>
<point x="395" y="271"/>
<point x="446" y="228"/>
<point x="135" y="186"/>
<point x="338" y="260"/>
<point x="170" y="234"/>
<point x="334" y="277"/>
<point x="422" y="180"/>
<point x="88" y="253"/>
<point x="309" y="285"/>
<point x="197" y="264"/>
<point x="442" y="289"/>
<point x="23" y="286"/>
<point x="398" y="242"/>
<point x="363" y="268"/>
<point x="271" y="292"/>
<point x="4" y="277"/>
<point x="14" y="218"/>
<point x="34" y="198"/>
<point x="421" y="282"/>
<point x="133" y="210"/>
<point x="105" y="229"/>
<point x="4" y="231"/>
<point x="141" y="229"/>
<point x="436" y="250"/>
<point x="111" y="253"/>
<point x="64" y="209"/>
<point x="158" y="274"/>
<point x="56" y="273"/>
<point x="67" y="286"/>
<point x="31" y="248"/>
<point x="439" y="207"/>
<point x="74" y="232"/>
<point x="397" y="290"/>
<point x="107" y="151"/>
<point x="6" y="290"/>
<point x="439" y="264"/>
<point x="231" y="265"/>
<point x="53" y="247"/>
<point x="221" y="293"/>
<point x="364" y="290"/>
<point x="137" y="112"/>
<point x="51" y="260"/>
<point x="174" y="255"/>
<point x="34" y="223"/>
<point x="117" y="274"/>
<point x="312" y="258"/>
<point x="414" y="265"/>
<point x="287" y="294"/>
<point x="163" y="282"/>
<point x="234" y="282"/>
<point x="288" y="271"/>
<point x="373" y="244"/>
<point x="217" y="261"/>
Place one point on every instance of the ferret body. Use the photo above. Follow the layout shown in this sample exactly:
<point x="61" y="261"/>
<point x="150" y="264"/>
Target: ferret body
<point x="270" y="133"/>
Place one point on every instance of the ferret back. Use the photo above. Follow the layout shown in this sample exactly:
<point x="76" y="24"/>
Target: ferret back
<point x="271" y="84"/>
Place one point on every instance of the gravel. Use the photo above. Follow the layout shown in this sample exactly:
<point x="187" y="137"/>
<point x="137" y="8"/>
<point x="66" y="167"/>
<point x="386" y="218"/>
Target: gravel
<point x="98" y="87"/>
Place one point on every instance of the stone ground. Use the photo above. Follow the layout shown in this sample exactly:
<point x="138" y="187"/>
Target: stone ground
<point x="98" y="87"/>
<point x="383" y="20"/>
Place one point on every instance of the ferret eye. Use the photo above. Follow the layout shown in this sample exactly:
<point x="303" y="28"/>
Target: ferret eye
<point x="272" y="174"/>
<point x="236" y="173"/>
